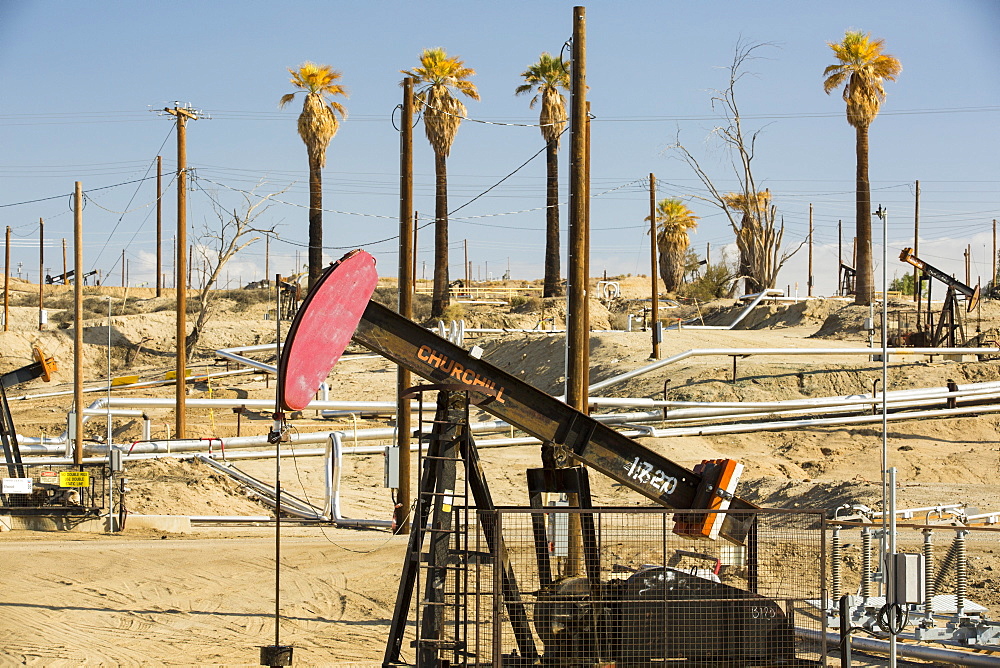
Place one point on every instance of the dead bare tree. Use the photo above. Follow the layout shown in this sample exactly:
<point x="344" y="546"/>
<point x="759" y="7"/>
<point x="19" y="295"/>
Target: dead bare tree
<point x="751" y="215"/>
<point x="218" y="245"/>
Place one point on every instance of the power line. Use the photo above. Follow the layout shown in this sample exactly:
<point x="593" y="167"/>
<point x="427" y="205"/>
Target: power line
<point x="131" y="199"/>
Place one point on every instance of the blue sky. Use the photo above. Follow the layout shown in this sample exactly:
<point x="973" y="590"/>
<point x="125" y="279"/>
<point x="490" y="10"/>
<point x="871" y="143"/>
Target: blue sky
<point x="80" y="78"/>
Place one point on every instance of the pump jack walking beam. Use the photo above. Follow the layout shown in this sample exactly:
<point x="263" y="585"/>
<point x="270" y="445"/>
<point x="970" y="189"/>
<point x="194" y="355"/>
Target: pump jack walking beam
<point x="548" y="419"/>
<point x="972" y="294"/>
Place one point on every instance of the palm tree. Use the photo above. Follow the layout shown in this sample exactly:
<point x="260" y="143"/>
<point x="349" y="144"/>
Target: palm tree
<point x="752" y="238"/>
<point x="862" y="67"/>
<point x="438" y="79"/>
<point x="545" y="79"/>
<point x="673" y="220"/>
<point x="318" y="124"/>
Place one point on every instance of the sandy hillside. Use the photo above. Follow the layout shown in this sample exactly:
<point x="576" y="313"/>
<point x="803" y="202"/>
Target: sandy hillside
<point x="207" y="597"/>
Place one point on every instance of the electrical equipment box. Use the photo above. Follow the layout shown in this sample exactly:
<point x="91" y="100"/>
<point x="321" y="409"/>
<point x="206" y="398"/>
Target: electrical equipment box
<point x="392" y="467"/>
<point x="910" y="580"/>
<point x="116" y="460"/>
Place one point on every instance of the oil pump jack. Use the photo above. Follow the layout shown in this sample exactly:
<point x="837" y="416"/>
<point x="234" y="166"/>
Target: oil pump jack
<point x="749" y="628"/>
<point x="950" y="320"/>
<point x="42" y="367"/>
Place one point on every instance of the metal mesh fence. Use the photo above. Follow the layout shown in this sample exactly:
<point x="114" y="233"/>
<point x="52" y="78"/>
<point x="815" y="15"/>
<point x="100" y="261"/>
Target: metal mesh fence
<point x="617" y="587"/>
<point x="54" y="488"/>
<point x="650" y="597"/>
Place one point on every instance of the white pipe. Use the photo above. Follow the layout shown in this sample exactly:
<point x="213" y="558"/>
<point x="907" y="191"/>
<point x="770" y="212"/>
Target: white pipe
<point x="267" y="492"/>
<point x="974" y="390"/>
<point x="233" y="354"/>
<point x="331" y="508"/>
<point x="824" y="410"/>
<point x="863" y="643"/>
<point x="758" y="297"/>
<point x="757" y="411"/>
<point x="131" y="386"/>
<point x="797" y="424"/>
<point x="747" y="352"/>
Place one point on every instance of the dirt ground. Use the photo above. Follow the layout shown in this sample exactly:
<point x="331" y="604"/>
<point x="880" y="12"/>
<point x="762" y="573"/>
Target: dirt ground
<point x="145" y="597"/>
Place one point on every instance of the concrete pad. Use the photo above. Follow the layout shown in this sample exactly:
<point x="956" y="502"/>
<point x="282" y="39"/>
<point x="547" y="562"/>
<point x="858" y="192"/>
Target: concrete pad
<point x="168" y="523"/>
<point x="53" y="522"/>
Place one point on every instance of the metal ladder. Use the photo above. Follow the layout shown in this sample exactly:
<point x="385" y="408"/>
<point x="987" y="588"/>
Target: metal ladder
<point x="443" y="509"/>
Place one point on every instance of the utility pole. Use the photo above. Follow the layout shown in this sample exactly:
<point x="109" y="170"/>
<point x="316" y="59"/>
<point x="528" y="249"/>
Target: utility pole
<point x="585" y="378"/>
<point x="652" y="265"/>
<point x="809" y="283"/>
<point x="124" y="278"/>
<point x="6" y="283"/>
<point x="416" y="228"/>
<point x="64" y="261"/>
<point x="41" y="274"/>
<point x="993" y="276"/>
<point x="968" y="256"/>
<point x="465" y="245"/>
<point x="182" y="114"/>
<point x="267" y="258"/>
<point x="840" y="254"/>
<point x="405" y="272"/>
<point x="159" y="226"/>
<point x="916" y="247"/>
<point x="577" y="353"/>
<point x="78" y="324"/>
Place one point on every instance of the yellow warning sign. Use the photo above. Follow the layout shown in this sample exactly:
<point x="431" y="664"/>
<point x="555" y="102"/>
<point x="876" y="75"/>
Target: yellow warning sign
<point x="74" y="479"/>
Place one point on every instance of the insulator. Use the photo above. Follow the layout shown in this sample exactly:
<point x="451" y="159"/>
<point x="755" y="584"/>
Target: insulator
<point x="835" y="557"/>
<point x="866" y="562"/>
<point x="961" y="571"/>
<point x="928" y="573"/>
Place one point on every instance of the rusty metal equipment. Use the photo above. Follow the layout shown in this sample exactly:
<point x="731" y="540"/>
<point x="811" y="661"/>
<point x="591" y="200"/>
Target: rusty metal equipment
<point x="42" y="367"/>
<point x="41" y="490"/>
<point x="847" y="276"/>
<point x="950" y="329"/>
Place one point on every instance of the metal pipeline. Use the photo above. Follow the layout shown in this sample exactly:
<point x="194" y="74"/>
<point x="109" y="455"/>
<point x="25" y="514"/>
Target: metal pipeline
<point x="819" y="410"/>
<point x="693" y="409"/>
<point x="819" y="422"/>
<point x="132" y="386"/>
<point x="748" y="352"/>
<point x="233" y="354"/>
<point x="331" y="510"/>
<point x="937" y="654"/>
